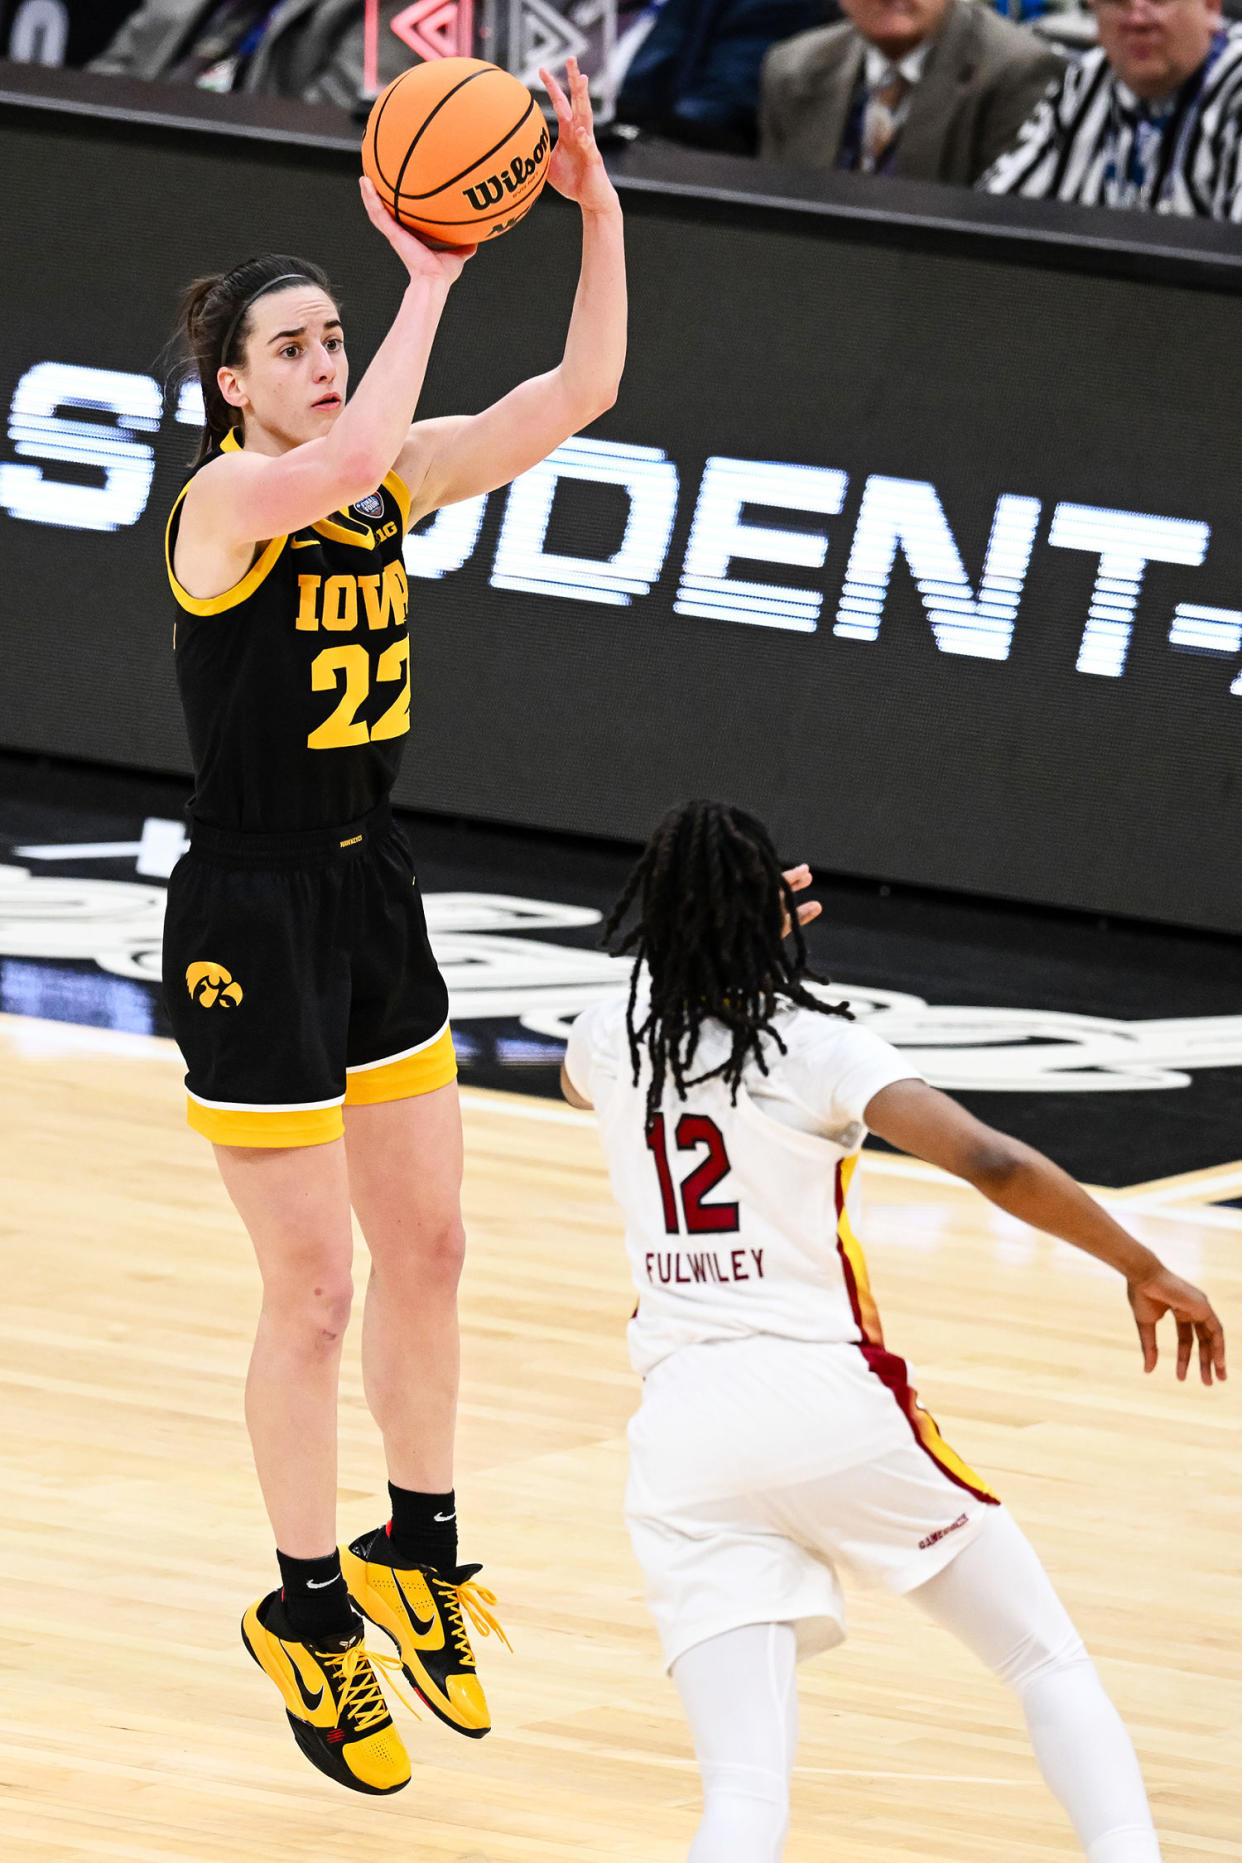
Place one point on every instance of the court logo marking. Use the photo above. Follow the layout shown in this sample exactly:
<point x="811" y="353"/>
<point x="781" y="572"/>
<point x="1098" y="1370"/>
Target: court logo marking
<point x="500" y="965"/>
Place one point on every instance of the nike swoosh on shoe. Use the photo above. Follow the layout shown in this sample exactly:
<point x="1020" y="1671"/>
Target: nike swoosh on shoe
<point x="311" y="1701"/>
<point x="421" y="1628"/>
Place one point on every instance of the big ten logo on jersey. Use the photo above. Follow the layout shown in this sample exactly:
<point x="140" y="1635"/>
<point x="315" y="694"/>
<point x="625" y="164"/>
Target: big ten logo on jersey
<point x="339" y="604"/>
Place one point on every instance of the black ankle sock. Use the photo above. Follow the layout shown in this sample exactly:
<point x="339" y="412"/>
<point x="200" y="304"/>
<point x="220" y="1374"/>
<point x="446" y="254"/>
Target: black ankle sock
<point x="316" y="1599"/>
<point x="424" y="1528"/>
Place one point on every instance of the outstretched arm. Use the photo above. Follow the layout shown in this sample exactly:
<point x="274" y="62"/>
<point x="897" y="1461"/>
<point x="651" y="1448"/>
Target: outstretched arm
<point x="458" y="457"/>
<point x="917" y="1119"/>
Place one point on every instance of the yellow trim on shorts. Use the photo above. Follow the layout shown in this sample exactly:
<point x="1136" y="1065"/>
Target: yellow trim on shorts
<point x="868" y="1313"/>
<point x="276" y="1128"/>
<point x="927" y="1430"/>
<point x="427" y="1068"/>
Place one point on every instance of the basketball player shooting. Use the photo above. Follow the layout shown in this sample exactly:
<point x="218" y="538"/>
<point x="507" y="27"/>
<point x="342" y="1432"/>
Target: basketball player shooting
<point x="300" y="983"/>
<point x="778" y="1439"/>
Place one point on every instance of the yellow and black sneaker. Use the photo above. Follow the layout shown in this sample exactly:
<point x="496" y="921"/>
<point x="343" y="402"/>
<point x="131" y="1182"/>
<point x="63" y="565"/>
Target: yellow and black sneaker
<point x="332" y="1699"/>
<point x="421" y="1610"/>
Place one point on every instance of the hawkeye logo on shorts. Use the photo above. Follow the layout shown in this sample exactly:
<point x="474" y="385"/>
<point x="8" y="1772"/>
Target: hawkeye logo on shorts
<point x="370" y="507"/>
<point x="210" y="984"/>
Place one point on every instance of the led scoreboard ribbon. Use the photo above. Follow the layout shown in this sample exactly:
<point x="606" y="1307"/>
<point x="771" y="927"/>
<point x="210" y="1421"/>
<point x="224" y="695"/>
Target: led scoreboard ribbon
<point x="903" y="517"/>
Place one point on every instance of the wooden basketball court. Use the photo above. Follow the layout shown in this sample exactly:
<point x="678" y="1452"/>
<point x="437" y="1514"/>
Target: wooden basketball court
<point x="132" y="1535"/>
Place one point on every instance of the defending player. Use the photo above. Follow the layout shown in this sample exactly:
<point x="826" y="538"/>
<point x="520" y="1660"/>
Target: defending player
<point x="300" y="983"/>
<point x="777" y="1437"/>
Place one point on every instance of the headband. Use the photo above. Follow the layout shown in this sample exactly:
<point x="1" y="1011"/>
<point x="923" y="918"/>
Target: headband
<point x="286" y="278"/>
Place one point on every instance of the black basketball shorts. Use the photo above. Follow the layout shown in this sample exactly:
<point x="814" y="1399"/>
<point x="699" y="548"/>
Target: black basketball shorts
<point x="299" y="979"/>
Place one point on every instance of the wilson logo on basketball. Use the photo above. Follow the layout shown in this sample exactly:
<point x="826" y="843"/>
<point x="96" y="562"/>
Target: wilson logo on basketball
<point x="521" y="169"/>
<point x="211" y="984"/>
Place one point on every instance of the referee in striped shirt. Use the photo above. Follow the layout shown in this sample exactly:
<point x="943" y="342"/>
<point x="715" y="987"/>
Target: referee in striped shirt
<point x="1151" y="118"/>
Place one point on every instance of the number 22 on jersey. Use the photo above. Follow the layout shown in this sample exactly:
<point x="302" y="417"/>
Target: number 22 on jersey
<point x="694" y="1130"/>
<point x="343" y="727"/>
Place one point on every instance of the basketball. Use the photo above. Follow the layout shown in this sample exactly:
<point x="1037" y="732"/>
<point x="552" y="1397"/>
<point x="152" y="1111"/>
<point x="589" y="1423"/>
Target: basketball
<point x="457" y="149"/>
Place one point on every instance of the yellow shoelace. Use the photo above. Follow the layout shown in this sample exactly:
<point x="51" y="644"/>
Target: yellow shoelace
<point x="360" y="1692"/>
<point x="477" y="1600"/>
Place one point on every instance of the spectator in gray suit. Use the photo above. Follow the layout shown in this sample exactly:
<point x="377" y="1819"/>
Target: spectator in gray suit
<point x="298" y="48"/>
<point x="929" y="89"/>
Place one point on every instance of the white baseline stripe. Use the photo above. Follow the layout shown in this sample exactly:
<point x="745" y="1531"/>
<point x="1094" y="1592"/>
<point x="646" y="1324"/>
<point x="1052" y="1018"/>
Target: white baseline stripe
<point x="550" y="1115"/>
<point x="887" y="1164"/>
<point x="36" y="1036"/>
<point x="82" y="850"/>
<point x="915" y="1778"/>
<point x="1228" y="1183"/>
<point x="673" y="1762"/>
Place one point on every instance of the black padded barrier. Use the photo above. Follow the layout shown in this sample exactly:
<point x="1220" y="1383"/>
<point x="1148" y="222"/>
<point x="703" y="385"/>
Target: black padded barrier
<point x="914" y="527"/>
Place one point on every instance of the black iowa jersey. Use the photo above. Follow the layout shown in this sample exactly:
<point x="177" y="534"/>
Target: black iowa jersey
<point x="296" y="683"/>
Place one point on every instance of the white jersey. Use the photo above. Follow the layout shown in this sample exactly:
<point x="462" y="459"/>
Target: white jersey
<point x="737" y="1216"/>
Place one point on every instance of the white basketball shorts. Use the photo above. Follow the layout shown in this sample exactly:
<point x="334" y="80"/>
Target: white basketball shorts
<point x="761" y="1467"/>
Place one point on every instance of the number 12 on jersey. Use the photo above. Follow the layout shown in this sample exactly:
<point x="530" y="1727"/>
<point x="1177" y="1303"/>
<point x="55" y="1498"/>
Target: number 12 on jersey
<point x="693" y="1131"/>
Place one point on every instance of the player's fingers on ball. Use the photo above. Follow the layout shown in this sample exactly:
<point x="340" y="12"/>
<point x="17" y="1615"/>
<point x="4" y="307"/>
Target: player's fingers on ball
<point x="375" y="206"/>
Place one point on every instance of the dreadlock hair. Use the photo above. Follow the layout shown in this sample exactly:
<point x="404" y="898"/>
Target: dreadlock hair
<point x="713" y="904"/>
<point x="213" y="326"/>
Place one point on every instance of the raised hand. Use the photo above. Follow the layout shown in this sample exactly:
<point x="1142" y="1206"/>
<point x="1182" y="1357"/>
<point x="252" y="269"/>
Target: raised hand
<point x="577" y="168"/>
<point x="419" y="259"/>
<point x="1163" y="1293"/>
